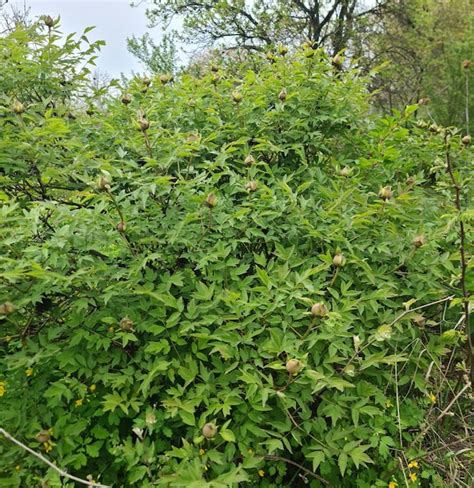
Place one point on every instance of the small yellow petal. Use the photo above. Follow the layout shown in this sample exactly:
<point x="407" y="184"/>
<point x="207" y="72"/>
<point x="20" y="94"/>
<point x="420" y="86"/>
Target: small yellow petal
<point x="413" y="477"/>
<point x="202" y="452"/>
<point x="261" y="473"/>
<point x="92" y="387"/>
<point x="29" y="372"/>
<point x="79" y="402"/>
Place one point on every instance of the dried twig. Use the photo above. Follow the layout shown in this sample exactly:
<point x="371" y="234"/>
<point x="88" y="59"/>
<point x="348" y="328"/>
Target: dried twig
<point x="49" y="463"/>
<point x="271" y="457"/>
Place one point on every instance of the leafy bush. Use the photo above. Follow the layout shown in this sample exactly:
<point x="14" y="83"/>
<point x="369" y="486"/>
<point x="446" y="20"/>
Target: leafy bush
<point x="241" y="252"/>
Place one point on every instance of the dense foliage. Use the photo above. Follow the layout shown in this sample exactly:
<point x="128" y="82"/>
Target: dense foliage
<point x="211" y="281"/>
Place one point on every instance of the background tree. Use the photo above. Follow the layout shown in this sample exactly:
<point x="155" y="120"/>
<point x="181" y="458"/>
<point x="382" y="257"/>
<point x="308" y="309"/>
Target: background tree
<point x="257" y="25"/>
<point x="424" y="44"/>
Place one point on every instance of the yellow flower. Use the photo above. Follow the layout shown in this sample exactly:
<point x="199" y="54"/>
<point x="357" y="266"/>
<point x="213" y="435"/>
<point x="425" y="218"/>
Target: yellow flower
<point x="8" y="338"/>
<point x="92" y="388"/>
<point x="432" y="397"/>
<point x="388" y="404"/>
<point x="392" y="484"/>
<point x="261" y="473"/>
<point x="48" y="446"/>
<point x="3" y="390"/>
<point x="250" y="451"/>
<point x="111" y="329"/>
<point x="79" y="402"/>
<point x="17" y="467"/>
<point x="202" y="452"/>
<point x="414" y="464"/>
<point x="413" y="477"/>
<point x="29" y="372"/>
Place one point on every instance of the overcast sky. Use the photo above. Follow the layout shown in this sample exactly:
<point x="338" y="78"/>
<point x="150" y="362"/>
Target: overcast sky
<point x="115" y="20"/>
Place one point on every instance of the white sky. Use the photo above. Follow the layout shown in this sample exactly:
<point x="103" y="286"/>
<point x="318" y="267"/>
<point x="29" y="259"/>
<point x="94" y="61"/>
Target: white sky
<point x="115" y="20"/>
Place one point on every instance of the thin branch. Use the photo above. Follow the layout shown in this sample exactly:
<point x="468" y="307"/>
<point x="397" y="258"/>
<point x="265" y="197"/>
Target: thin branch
<point x="49" y="463"/>
<point x="271" y="457"/>
<point x="462" y="252"/>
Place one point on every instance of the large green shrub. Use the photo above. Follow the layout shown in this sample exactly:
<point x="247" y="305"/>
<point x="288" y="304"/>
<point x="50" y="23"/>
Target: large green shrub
<point x="163" y="276"/>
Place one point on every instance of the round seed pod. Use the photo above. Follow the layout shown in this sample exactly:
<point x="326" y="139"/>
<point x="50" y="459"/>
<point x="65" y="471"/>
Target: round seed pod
<point x="282" y="95"/>
<point x="346" y="172"/>
<point x="349" y="370"/>
<point x="466" y="140"/>
<point x="146" y="81"/>
<point x="282" y="50"/>
<point x="336" y="61"/>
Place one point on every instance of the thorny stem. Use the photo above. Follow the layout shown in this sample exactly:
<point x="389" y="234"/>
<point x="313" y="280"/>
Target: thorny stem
<point x="49" y="463"/>
<point x="462" y="252"/>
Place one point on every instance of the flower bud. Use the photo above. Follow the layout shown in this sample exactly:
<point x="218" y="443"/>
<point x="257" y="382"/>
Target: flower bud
<point x="337" y="61"/>
<point x="466" y="140"/>
<point x="7" y="308"/>
<point x="126" y="325"/>
<point x="249" y="160"/>
<point x="282" y="95"/>
<point x="237" y="96"/>
<point x="282" y="50"/>
<point x="293" y="366"/>
<point x="144" y="124"/>
<point x="48" y="21"/>
<point x="122" y="226"/>
<point x="418" y="241"/>
<point x="251" y="185"/>
<point x="383" y="332"/>
<point x="338" y="260"/>
<point x="43" y="436"/>
<point x="211" y="200"/>
<point x="209" y="431"/>
<point x="18" y="107"/>
<point x="103" y="183"/>
<point x="319" y="310"/>
<point x="346" y="171"/>
<point x="385" y="193"/>
<point x="126" y="98"/>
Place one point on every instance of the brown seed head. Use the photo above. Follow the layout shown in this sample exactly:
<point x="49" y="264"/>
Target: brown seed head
<point x="282" y="95"/>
